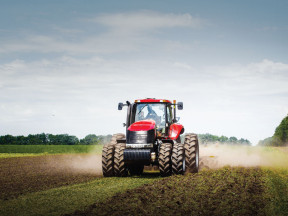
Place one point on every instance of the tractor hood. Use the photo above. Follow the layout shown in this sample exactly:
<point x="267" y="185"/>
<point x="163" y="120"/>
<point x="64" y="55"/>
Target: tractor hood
<point x="144" y="125"/>
<point x="141" y="134"/>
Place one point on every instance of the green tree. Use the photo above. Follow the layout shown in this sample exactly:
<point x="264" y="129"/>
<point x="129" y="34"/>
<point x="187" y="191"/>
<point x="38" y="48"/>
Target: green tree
<point x="90" y="139"/>
<point x="209" y="138"/>
<point x="281" y="131"/>
<point x="33" y="139"/>
<point x="43" y="138"/>
<point x="233" y="140"/>
<point x="104" y="139"/>
<point x="223" y="139"/>
<point x="271" y="141"/>
<point x="244" y="142"/>
<point x="8" y="140"/>
<point x="55" y="139"/>
<point x="22" y="140"/>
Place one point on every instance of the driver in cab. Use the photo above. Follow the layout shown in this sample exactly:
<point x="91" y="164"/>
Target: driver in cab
<point x="152" y="115"/>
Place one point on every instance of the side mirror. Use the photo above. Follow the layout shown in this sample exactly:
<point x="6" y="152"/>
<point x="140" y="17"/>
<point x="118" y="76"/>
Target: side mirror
<point x="180" y="105"/>
<point x="120" y="106"/>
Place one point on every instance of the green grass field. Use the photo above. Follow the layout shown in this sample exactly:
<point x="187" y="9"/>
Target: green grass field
<point x="34" y="150"/>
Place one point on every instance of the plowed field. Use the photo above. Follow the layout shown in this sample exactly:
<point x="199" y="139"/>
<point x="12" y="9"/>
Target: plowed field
<point x="256" y="183"/>
<point x="29" y="174"/>
<point x="227" y="191"/>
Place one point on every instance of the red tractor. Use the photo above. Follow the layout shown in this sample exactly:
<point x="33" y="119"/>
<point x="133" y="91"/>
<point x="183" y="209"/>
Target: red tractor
<point x="152" y="137"/>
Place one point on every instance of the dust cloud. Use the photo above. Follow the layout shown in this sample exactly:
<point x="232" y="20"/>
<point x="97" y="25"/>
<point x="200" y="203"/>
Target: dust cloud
<point x="212" y="156"/>
<point x="216" y="156"/>
<point x="85" y="163"/>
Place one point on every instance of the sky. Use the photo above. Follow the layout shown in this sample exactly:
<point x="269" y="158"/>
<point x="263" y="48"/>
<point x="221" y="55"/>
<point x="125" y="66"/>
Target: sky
<point x="65" y="64"/>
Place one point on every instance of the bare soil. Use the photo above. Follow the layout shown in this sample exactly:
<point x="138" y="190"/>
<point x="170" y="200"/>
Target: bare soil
<point x="226" y="191"/>
<point x="30" y="174"/>
<point x="22" y="175"/>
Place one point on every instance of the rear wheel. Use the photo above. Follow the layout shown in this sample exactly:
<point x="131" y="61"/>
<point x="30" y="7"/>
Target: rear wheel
<point x="108" y="160"/>
<point x="178" y="159"/>
<point x="116" y="137"/>
<point x="136" y="169"/>
<point x="108" y="155"/>
<point x="191" y="153"/>
<point x="119" y="164"/>
<point x="165" y="159"/>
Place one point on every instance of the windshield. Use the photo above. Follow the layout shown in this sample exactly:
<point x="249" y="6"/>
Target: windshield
<point x="154" y="111"/>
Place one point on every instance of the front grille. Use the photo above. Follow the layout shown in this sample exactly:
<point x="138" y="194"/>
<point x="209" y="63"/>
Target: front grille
<point x="137" y="154"/>
<point x="140" y="137"/>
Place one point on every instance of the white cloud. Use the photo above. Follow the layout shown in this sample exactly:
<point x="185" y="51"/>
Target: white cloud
<point x="127" y="32"/>
<point x="53" y="44"/>
<point x="269" y="67"/>
<point x="146" y="20"/>
<point x="82" y="94"/>
<point x="182" y="65"/>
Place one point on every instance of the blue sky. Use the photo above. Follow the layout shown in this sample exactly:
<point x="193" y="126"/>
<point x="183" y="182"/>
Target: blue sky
<point x="64" y="65"/>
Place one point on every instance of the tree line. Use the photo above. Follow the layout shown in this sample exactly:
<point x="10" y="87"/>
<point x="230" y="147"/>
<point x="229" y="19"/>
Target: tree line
<point x="209" y="138"/>
<point x="280" y="136"/>
<point x="51" y="139"/>
<point x="92" y="139"/>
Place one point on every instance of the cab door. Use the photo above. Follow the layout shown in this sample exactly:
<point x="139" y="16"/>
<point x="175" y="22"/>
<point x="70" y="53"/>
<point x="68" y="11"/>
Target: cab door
<point x="169" y="119"/>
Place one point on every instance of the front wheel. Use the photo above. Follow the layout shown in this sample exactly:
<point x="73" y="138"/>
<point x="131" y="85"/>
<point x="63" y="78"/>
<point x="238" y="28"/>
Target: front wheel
<point x="178" y="159"/>
<point x="120" y="169"/>
<point x="165" y="159"/>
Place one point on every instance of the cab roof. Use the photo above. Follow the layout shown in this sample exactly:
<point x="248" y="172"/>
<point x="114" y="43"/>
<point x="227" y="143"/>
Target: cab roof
<point x="152" y="100"/>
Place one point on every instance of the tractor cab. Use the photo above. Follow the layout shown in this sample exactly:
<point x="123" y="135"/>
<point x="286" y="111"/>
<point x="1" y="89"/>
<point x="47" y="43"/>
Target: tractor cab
<point x="156" y="114"/>
<point x="160" y="113"/>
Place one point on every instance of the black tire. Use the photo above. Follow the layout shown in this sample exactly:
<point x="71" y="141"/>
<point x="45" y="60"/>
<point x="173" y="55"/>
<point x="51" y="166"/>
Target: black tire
<point x="108" y="160"/>
<point x="136" y="169"/>
<point x="191" y="147"/>
<point x="108" y="155"/>
<point x="165" y="159"/>
<point x="120" y="169"/>
<point x="178" y="159"/>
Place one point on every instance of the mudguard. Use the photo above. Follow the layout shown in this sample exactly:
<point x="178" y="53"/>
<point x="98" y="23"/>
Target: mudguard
<point x="175" y="130"/>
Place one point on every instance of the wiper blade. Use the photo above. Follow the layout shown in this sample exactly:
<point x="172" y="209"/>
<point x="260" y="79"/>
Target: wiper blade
<point x="142" y="109"/>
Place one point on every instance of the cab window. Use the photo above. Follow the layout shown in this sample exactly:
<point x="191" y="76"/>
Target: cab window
<point x="169" y="114"/>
